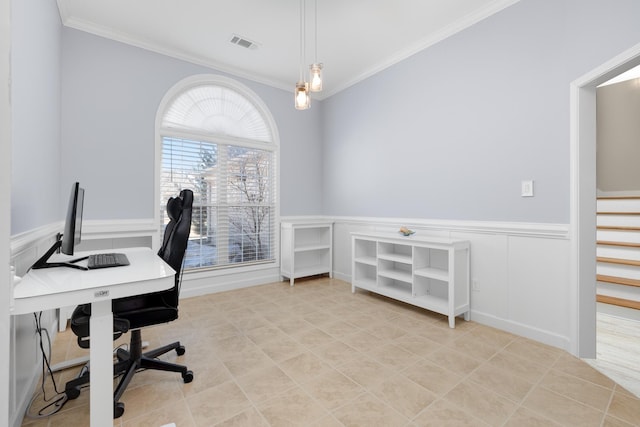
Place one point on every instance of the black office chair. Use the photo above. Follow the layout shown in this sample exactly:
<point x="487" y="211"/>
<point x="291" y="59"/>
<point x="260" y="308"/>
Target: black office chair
<point x="133" y="313"/>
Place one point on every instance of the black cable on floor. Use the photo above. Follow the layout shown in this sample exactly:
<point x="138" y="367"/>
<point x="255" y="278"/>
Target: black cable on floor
<point x="55" y="403"/>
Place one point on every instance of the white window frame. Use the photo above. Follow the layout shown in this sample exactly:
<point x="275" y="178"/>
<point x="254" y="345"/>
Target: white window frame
<point x="273" y="146"/>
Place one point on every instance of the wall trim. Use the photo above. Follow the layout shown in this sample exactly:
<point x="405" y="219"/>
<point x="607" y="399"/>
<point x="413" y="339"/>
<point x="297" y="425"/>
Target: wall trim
<point x="549" y="230"/>
<point x="91" y="229"/>
<point x="23" y="241"/>
<point x="201" y="283"/>
<point x="111" y="229"/>
<point x="102" y="229"/>
<point x="522" y="330"/>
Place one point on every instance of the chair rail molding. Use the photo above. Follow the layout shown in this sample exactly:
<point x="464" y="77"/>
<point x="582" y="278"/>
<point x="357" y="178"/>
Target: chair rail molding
<point x="547" y="230"/>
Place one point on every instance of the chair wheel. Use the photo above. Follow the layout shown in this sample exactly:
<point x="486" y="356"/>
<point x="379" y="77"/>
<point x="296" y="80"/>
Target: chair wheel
<point x="187" y="377"/>
<point x="72" y="393"/>
<point x="180" y="350"/>
<point x="118" y="409"/>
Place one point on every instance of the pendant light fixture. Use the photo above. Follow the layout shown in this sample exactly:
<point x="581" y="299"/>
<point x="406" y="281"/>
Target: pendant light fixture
<point x="301" y="96"/>
<point x="315" y="77"/>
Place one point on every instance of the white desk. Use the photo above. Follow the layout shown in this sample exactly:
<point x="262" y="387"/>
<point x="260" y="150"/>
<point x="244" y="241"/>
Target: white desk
<point x="51" y="288"/>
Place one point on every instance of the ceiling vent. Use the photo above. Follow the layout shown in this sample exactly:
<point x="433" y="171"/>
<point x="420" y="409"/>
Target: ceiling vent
<point x="243" y="42"/>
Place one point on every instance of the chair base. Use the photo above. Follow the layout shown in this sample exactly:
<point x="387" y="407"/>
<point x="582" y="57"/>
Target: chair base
<point x="130" y="362"/>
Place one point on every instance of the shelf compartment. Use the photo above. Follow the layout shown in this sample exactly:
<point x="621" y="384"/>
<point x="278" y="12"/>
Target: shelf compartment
<point x="432" y="273"/>
<point x="307" y="236"/>
<point x="395" y="270"/>
<point x="433" y="258"/>
<point x="392" y="285"/>
<point x="364" y="249"/>
<point x="395" y="252"/>
<point x="311" y="247"/>
<point x="433" y="288"/>
<point x="310" y="263"/>
<point x="366" y="260"/>
<point x="364" y="272"/>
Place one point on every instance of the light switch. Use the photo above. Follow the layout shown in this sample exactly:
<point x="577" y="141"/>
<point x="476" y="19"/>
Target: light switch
<point x="527" y="188"/>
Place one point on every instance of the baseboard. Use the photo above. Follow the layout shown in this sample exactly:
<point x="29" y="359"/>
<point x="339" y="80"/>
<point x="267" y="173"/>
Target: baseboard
<point x="342" y="276"/>
<point x="198" y="285"/>
<point x="522" y="330"/>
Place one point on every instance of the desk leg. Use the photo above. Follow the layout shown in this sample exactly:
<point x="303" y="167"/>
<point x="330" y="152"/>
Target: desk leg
<point x="101" y="356"/>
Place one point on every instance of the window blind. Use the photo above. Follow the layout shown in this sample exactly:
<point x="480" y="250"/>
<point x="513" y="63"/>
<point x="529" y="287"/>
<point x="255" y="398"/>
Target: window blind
<point x="211" y="137"/>
<point x="233" y="219"/>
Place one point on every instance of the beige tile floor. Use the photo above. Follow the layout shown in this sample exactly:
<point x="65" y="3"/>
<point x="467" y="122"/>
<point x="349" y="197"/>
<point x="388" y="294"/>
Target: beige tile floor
<point x="318" y="355"/>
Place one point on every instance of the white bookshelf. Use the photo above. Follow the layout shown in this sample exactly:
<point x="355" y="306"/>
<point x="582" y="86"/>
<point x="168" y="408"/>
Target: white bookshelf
<point x="428" y="272"/>
<point x="305" y="249"/>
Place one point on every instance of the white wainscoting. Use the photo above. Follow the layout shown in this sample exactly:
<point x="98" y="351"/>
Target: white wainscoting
<point x="521" y="270"/>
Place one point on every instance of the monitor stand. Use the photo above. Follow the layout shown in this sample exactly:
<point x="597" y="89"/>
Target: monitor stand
<point x="42" y="262"/>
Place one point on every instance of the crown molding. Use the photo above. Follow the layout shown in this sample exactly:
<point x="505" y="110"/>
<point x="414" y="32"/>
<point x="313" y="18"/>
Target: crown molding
<point x="97" y="30"/>
<point x="450" y="30"/>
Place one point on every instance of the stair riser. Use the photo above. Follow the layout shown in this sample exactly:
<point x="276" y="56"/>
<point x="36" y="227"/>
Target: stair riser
<point x="618" y="270"/>
<point x="618" y="205"/>
<point x="618" y="235"/>
<point x="618" y="291"/>
<point x="618" y="252"/>
<point x="619" y="220"/>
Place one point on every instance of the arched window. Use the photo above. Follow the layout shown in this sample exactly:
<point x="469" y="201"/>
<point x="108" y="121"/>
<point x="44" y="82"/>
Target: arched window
<point x="218" y="139"/>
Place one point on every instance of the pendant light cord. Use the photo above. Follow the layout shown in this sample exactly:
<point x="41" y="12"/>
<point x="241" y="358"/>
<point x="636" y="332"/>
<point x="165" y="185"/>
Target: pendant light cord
<point x="302" y="37"/>
<point x="315" y="29"/>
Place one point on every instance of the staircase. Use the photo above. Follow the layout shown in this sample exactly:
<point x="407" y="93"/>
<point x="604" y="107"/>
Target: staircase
<point x="618" y="251"/>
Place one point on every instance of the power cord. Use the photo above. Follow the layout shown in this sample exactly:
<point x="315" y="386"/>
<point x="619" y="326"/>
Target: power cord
<point x="56" y="402"/>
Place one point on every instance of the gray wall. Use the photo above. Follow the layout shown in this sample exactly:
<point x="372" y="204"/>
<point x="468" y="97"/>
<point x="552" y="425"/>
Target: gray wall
<point x="618" y="127"/>
<point x="110" y="97"/>
<point x="35" y="99"/>
<point x="488" y="107"/>
<point x="451" y="132"/>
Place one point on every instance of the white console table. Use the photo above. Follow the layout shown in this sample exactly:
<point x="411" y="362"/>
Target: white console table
<point x="427" y="272"/>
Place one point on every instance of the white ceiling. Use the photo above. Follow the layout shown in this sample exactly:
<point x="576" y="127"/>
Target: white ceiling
<point x="356" y="38"/>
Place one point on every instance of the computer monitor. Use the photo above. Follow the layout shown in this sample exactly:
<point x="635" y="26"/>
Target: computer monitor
<point x="73" y="223"/>
<point x="72" y="232"/>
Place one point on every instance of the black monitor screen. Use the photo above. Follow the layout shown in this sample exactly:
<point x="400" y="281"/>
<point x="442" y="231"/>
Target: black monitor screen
<point x="73" y="221"/>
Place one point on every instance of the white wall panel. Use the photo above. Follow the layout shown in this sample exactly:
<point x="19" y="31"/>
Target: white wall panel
<point x="489" y="254"/>
<point x="539" y="285"/>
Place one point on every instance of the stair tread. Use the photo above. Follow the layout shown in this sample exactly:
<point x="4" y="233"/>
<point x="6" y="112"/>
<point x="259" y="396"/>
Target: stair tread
<point x="618" y="197"/>
<point x="614" y="243"/>
<point x="618" y="280"/>
<point x="618" y="261"/>
<point x="617" y="213"/>
<point x="618" y="227"/>
<point x="622" y="302"/>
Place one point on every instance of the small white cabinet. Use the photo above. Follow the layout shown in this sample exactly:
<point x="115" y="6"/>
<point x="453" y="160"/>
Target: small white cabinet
<point x="305" y="249"/>
<point x="428" y="272"/>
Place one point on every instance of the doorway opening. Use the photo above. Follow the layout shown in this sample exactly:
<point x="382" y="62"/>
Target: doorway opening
<point x="583" y="143"/>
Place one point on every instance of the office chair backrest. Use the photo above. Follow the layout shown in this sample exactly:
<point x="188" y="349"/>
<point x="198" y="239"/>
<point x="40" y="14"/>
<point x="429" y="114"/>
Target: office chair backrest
<point x="176" y="234"/>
